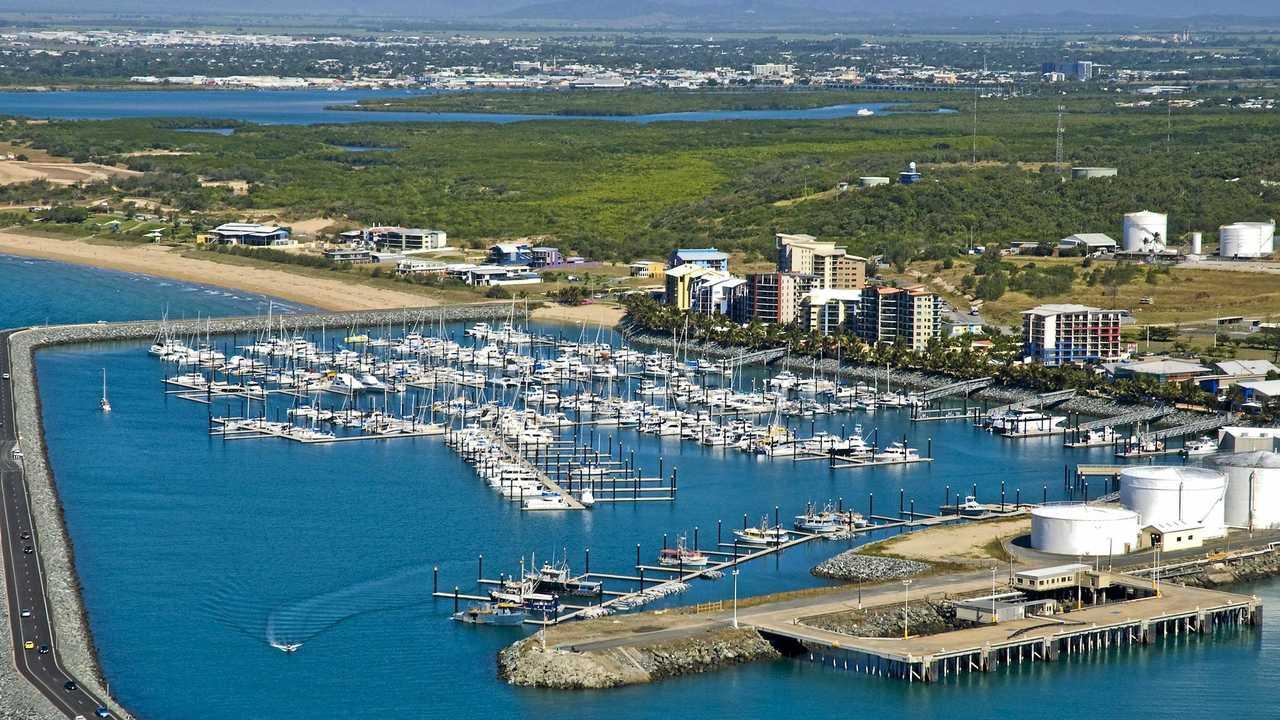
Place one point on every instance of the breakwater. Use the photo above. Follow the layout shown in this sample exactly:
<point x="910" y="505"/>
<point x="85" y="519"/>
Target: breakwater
<point x="529" y="664"/>
<point x="57" y="554"/>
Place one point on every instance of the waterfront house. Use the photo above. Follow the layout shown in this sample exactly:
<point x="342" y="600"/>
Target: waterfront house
<point x="251" y="234"/>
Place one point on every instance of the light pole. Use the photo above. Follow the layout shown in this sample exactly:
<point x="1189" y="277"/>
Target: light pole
<point x="735" y="598"/>
<point x="993" y="594"/>
<point x="906" y="600"/>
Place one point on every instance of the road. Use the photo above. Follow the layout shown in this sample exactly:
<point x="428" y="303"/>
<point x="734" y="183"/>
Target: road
<point x="24" y="572"/>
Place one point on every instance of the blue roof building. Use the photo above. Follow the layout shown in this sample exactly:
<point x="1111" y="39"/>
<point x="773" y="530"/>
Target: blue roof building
<point x="511" y="254"/>
<point x="709" y="258"/>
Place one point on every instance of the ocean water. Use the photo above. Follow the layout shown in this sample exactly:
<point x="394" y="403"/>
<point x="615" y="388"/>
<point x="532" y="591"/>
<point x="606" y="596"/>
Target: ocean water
<point x="195" y="551"/>
<point x="309" y="107"/>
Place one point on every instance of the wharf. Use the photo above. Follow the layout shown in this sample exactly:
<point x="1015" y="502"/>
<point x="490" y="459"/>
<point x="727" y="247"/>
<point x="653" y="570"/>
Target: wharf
<point x="241" y="429"/>
<point x="1176" y="610"/>
<point x="547" y="483"/>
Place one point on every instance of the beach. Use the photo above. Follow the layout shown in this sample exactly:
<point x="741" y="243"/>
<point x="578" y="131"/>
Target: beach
<point x="164" y="261"/>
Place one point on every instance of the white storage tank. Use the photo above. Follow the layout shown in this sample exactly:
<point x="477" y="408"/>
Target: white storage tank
<point x="1197" y="243"/>
<point x="1246" y="239"/>
<point x="1079" y="529"/>
<point x="1172" y="493"/>
<point x="1145" y="231"/>
<point x="1253" y="488"/>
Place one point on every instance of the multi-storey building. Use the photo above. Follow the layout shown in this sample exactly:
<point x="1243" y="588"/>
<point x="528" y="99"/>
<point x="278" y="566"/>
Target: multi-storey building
<point x="830" y="311"/>
<point x="710" y="258"/>
<point x="899" y="315"/>
<point x="776" y="297"/>
<point x="1060" y="334"/>
<point x="679" y="281"/>
<point x="719" y="293"/>
<point x="833" y="267"/>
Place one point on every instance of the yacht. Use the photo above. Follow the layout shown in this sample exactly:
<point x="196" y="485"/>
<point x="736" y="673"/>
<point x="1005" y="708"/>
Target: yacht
<point x="345" y="384"/>
<point x="897" y="452"/>
<point x="1202" y="445"/>
<point x="865" y="112"/>
<point x="545" y="501"/>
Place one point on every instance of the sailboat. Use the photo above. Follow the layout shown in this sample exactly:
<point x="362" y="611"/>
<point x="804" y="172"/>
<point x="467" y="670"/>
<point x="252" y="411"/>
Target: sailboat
<point x="106" y="406"/>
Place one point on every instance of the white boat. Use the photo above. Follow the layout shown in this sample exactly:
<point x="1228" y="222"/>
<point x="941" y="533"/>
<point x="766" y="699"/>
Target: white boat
<point x="1202" y="445"/>
<point x="865" y="112"/>
<point x="763" y="535"/>
<point x="103" y="404"/>
<point x="680" y="555"/>
<point x="546" y="501"/>
<point x="587" y="498"/>
<point x="345" y="384"/>
<point x="897" y="452"/>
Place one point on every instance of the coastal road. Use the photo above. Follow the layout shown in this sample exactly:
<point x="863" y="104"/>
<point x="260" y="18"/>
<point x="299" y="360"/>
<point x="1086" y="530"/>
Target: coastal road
<point x="29" y="614"/>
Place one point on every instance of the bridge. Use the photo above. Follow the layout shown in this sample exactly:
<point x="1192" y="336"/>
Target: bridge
<point x="1038" y="402"/>
<point x="1128" y="418"/>
<point x="956" y="388"/>
<point x="762" y="357"/>
<point x="1192" y="428"/>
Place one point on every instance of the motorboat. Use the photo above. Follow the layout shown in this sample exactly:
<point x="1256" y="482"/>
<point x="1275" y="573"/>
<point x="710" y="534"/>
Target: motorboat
<point x="897" y="452"/>
<point x="820" y="522"/>
<point x="1202" y="445"/>
<point x="287" y="648"/>
<point x="545" y="501"/>
<point x="865" y="112"/>
<point x="492" y="613"/>
<point x="557" y="579"/>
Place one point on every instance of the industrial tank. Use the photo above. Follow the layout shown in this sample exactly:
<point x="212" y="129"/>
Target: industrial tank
<point x="1253" y="488"/>
<point x="1246" y="239"/>
<point x="1145" y="231"/>
<point x="1197" y="243"/>
<point x="1170" y="493"/>
<point x="1079" y="529"/>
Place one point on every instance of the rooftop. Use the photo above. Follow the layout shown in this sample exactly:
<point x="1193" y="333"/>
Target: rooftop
<point x="1059" y="309"/>
<point x="1053" y="571"/>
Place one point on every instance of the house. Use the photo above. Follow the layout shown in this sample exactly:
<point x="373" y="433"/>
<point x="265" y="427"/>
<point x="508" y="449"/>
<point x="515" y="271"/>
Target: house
<point x="490" y="275"/>
<point x="510" y="254"/>
<point x="412" y="266"/>
<point x="1092" y="242"/>
<point x="251" y="234"/>
<point x="1258" y="395"/>
<point x="709" y="258"/>
<point x="404" y="240"/>
<point x="544" y="256"/>
<point x="1164" y="370"/>
<point x="355" y="256"/>
<point x="647" y="269"/>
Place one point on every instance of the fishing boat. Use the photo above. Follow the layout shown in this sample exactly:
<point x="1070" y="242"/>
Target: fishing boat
<point x="492" y="613"/>
<point x="817" y="521"/>
<point x="103" y="403"/>
<point x="557" y="579"/>
<point x="681" y="556"/>
<point x="763" y="535"/>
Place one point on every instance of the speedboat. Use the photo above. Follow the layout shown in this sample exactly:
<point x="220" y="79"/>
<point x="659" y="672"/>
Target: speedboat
<point x="545" y="501"/>
<point x="286" y="647"/>
<point x="865" y="112"/>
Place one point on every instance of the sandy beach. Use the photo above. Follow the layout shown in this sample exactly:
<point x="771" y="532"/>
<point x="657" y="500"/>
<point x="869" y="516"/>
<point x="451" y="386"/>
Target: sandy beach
<point x="164" y="261"/>
<point x="591" y="315"/>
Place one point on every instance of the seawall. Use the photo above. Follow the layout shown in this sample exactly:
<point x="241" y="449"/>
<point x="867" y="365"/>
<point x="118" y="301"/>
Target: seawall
<point x="74" y="637"/>
<point x="528" y="664"/>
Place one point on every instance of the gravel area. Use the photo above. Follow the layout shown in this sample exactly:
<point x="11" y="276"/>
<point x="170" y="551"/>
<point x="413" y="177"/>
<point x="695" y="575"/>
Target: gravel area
<point x="853" y="567"/>
<point x="71" y="626"/>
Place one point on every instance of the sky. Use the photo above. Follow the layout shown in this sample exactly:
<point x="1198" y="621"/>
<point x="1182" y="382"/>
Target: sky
<point x="675" y="8"/>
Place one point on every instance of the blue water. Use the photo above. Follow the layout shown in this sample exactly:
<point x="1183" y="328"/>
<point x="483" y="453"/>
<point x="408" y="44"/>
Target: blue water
<point x="193" y="550"/>
<point x="309" y="107"/>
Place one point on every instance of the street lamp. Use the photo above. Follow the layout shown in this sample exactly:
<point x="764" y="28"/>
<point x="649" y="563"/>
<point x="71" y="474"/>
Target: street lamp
<point x="906" y="600"/>
<point x="735" y="598"/>
<point x="993" y="594"/>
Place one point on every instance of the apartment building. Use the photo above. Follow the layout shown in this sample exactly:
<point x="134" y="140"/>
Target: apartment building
<point x="777" y="297"/>
<point x="831" y="311"/>
<point x="717" y="293"/>
<point x="910" y="315"/>
<point x="833" y="267"/>
<point x="1057" y="334"/>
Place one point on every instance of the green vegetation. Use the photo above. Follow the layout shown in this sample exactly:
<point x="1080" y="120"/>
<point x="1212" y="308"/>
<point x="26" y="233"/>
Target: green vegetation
<point x="616" y="190"/>
<point x="627" y="102"/>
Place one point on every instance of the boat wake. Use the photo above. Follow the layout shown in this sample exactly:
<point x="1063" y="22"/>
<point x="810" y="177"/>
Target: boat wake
<point x="288" y="627"/>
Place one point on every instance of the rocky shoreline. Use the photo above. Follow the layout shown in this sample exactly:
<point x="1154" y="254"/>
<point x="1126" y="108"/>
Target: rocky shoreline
<point x="528" y="664"/>
<point x="18" y="699"/>
<point x="850" y="566"/>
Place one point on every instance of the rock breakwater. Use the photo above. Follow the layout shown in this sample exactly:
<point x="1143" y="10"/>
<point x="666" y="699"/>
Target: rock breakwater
<point x="851" y="566"/>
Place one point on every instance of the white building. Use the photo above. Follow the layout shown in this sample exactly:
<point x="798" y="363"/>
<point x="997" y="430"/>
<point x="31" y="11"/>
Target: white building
<point x="251" y="234"/>
<point x="405" y="240"/>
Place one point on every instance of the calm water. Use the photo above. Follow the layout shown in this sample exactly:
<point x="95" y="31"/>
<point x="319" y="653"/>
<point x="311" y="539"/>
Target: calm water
<point x="193" y="550"/>
<point x="309" y="107"/>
